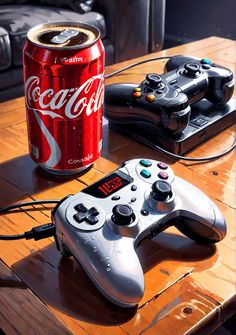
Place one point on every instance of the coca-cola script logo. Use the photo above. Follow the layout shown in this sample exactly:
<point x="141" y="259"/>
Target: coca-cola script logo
<point x="71" y="102"/>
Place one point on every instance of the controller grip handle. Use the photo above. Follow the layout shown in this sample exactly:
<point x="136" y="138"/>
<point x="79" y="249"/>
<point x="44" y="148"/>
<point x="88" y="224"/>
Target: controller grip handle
<point x="118" y="94"/>
<point x="221" y="96"/>
<point x="199" y="231"/>
<point x="114" y="268"/>
<point x="120" y="107"/>
<point x="198" y="217"/>
<point x="122" y="276"/>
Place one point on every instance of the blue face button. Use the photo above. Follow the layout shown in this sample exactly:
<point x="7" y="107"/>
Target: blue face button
<point x="206" y="61"/>
<point x="145" y="173"/>
<point x="145" y="163"/>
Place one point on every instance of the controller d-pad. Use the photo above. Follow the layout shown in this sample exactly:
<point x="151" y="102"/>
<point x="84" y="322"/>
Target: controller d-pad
<point x="87" y="215"/>
<point x="81" y="208"/>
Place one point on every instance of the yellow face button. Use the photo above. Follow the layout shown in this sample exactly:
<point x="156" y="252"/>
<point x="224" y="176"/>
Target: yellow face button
<point x="150" y="97"/>
<point x="136" y="94"/>
<point x="137" y="89"/>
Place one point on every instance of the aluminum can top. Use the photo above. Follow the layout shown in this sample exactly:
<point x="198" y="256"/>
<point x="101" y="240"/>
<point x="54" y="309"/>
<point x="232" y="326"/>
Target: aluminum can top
<point x="63" y="35"/>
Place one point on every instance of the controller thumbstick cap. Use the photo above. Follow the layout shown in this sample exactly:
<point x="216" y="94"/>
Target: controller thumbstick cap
<point x="154" y="80"/>
<point x="161" y="190"/>
<point x="123" y="215"/>
<point x="191" y="69"/>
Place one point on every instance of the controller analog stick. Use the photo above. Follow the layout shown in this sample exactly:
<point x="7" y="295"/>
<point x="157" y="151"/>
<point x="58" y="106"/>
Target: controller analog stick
<point x="154" y="80"/>
<point x="191" y="69"/>
<point x="123" y="215"/>
<point x="161" y="190"/>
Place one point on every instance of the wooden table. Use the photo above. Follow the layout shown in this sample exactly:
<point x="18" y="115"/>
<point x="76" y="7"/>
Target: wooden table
<point x="189" y="288"/>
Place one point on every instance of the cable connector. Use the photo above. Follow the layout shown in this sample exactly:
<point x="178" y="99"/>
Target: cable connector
<point x="40" y="232"/>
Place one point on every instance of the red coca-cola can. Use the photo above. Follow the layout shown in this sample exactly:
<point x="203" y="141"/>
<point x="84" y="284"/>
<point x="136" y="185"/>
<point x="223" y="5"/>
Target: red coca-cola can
<point x="64" y="91"/>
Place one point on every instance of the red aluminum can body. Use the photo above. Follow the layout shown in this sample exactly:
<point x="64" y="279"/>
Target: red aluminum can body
<point x="64" y="92"/>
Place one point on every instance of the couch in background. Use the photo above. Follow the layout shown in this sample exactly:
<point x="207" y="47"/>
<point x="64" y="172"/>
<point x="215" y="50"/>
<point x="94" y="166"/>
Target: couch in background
<point x="129" y="28"/>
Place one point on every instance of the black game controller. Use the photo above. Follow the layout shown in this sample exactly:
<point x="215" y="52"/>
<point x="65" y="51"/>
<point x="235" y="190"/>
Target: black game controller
<point x="165" y="99"/>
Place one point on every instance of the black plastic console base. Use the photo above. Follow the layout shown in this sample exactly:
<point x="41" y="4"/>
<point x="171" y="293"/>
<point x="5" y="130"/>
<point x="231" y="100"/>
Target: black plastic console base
<point x="206" y="120"/>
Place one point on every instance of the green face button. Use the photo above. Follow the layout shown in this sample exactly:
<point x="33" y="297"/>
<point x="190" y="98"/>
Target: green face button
<point x="145" y="163"/>
<point x="206" y="61"/>
<point x="145" y="173"/>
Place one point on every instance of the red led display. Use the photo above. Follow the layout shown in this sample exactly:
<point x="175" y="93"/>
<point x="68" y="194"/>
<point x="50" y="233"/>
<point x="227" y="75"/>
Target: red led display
<point x="109" y="185"/>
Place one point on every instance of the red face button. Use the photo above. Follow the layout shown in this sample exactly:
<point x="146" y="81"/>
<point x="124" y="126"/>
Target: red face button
<point x="150" y="97"/>
<point x="136" y="94"/>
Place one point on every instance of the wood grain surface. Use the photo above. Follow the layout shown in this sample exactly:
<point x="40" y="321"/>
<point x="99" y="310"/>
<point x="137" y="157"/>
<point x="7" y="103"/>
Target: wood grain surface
<point x="189" y="288"/>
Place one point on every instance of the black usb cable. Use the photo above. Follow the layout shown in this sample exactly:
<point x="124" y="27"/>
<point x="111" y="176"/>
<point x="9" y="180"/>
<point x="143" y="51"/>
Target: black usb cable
<point x="36" y="233"/>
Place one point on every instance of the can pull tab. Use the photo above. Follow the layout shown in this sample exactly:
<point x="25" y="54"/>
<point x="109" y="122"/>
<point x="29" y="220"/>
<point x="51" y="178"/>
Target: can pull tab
<point x="64" y="36"/>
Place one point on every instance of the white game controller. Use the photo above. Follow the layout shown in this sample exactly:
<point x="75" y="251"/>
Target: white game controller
<point x="102" y="225"/>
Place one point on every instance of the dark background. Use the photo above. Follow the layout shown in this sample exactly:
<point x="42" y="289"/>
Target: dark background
<point x="189" y="20"/>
